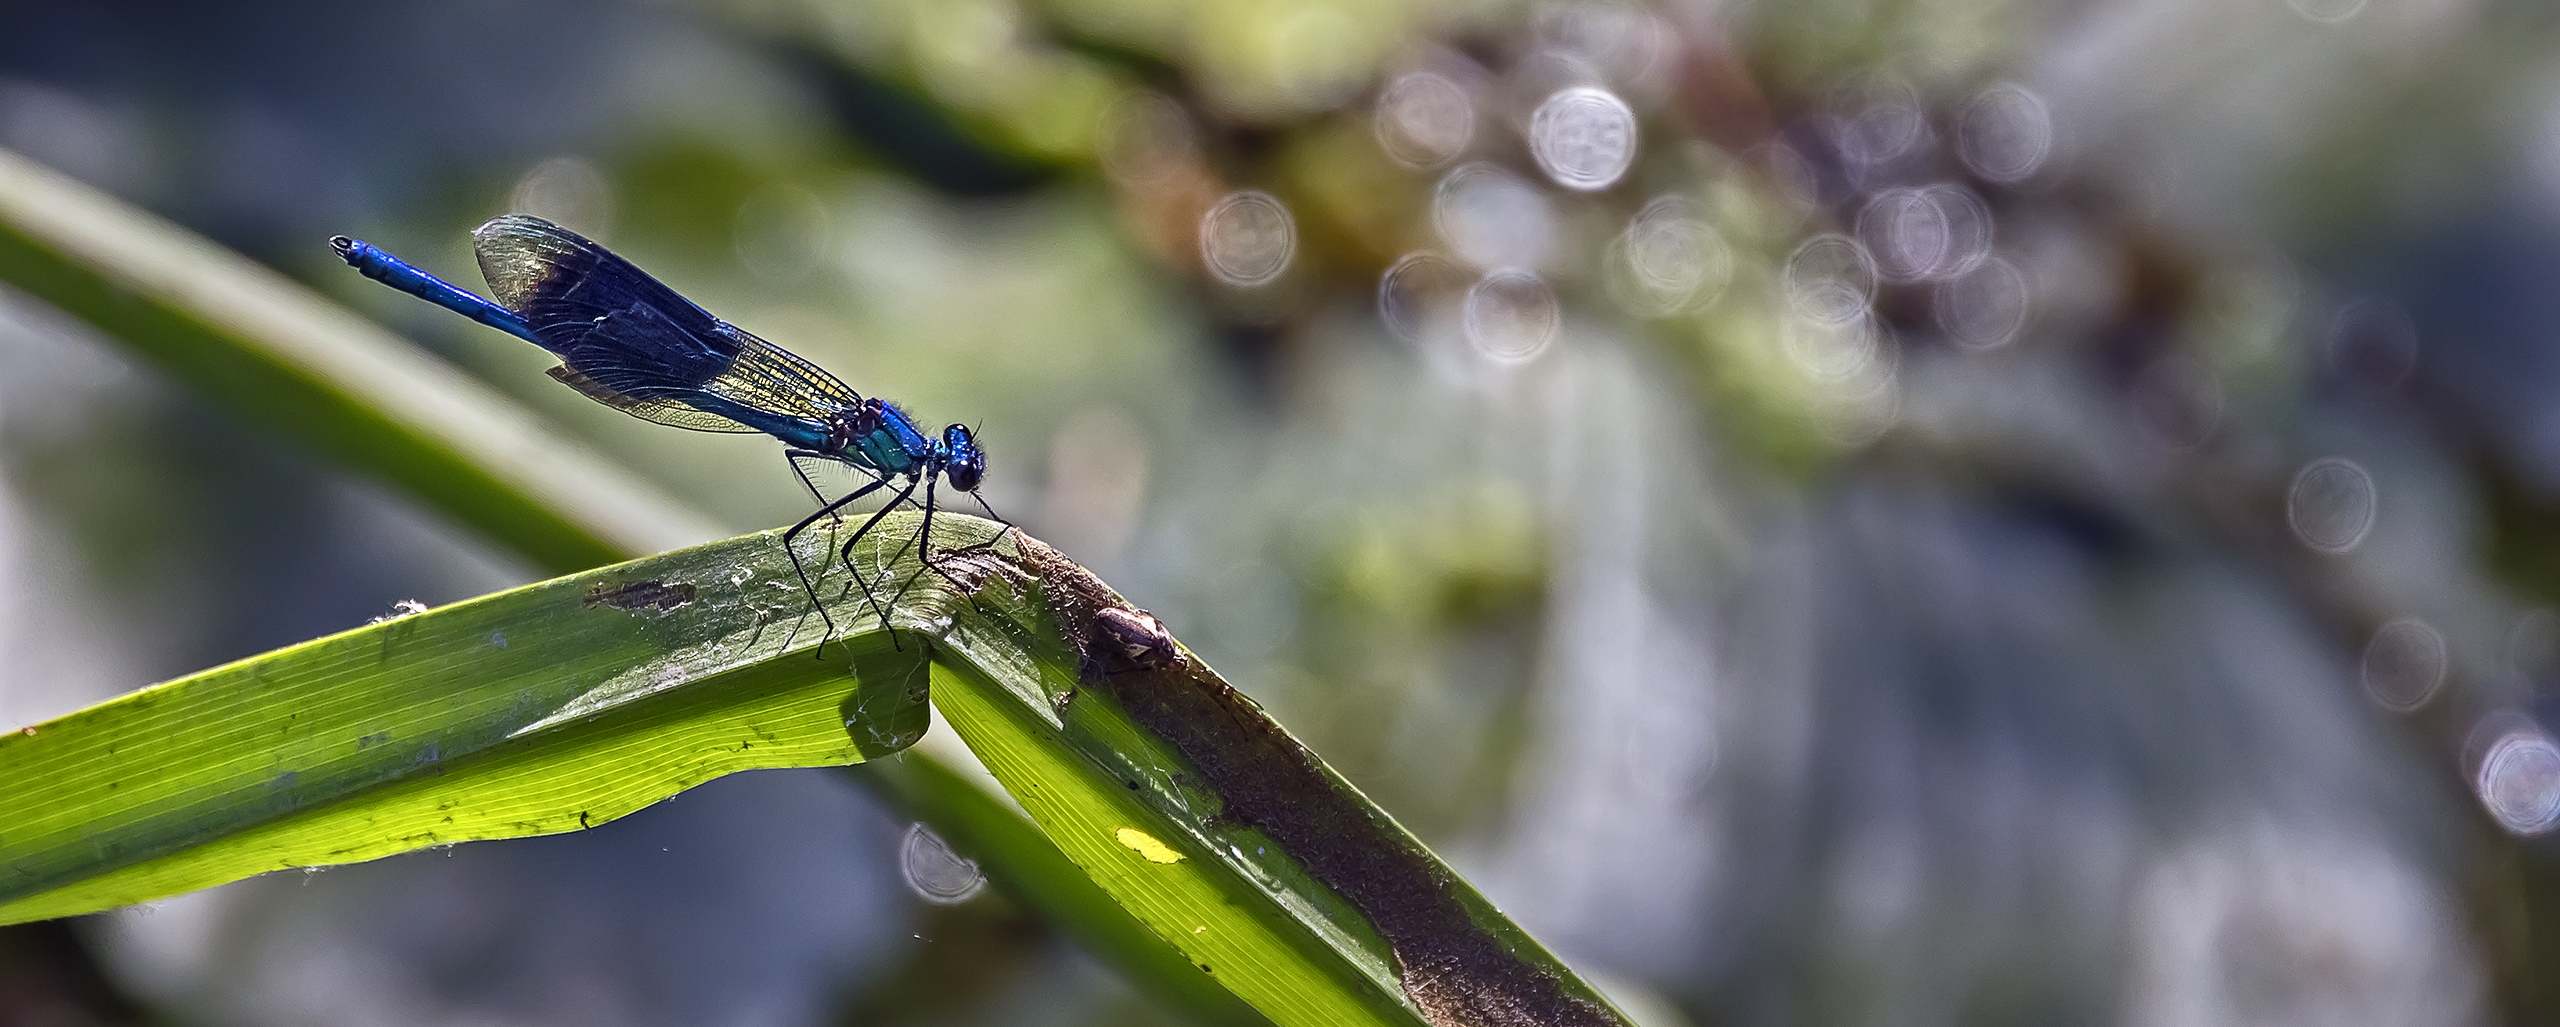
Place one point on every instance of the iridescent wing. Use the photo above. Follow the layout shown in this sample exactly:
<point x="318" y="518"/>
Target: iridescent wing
<point x="769" y="377"/>
<point x="631" y="343"/>
<point x="667" y="411"/>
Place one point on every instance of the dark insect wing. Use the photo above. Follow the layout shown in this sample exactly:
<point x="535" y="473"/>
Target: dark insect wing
<point x="631" y="343"/>
<point x="565" y="286"/>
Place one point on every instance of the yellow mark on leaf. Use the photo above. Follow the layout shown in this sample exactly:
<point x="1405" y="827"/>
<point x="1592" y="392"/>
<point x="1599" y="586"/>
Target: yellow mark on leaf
<point x="1145" y="844"/>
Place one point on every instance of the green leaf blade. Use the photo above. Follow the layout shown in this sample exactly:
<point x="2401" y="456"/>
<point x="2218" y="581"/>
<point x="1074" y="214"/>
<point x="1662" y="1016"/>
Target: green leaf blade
<point x="1213" y="918"/>
<point x="547" y="708"/>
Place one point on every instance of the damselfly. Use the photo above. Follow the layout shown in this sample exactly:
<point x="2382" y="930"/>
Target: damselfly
<point x="629" y="342"/>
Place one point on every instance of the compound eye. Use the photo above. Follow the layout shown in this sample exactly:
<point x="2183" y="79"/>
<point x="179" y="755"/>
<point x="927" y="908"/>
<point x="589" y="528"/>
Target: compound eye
<point x="965" y="463"/>
<point x="967" y="467"/>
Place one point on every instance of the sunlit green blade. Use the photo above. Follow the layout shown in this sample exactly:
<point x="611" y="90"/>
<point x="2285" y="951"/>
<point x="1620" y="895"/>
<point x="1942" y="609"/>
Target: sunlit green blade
<point x="1210" y="824"/>
<point x="267" y="349"/>
<point x="1031" y="870"/>
<point x="1217" y="920"/>
<point x="532" y="711"/>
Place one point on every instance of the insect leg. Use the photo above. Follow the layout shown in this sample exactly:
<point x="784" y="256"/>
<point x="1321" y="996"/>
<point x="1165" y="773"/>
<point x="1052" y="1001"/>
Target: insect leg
<point x="802" y="570"/>
<point x="794" y="456"/>
<point x="846" y="554"/>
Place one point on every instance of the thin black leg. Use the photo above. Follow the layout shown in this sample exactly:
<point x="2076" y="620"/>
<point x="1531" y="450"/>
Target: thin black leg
<point x="908" y="540"/>
<point x="991" y="511"/>
<point x="845" y="554"/>
<point x="802" y="570"/>
<point x="990" y="540"/>
<point x="793" y="457"/>
<point x="924" y="539"/>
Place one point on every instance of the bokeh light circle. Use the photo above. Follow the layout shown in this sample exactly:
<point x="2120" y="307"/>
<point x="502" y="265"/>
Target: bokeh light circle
<point x="1418" y="295"/>
<point x="2005" y="134"/>
<point x="2331" y="505"/>
<point x="1424" y="120"/>
<point x="1830" y="279"/>
<point x="568" y="191"/>
<point x="1512" y="316"/>
<point x="1916" y="234"/>
<point x="2404" y="664"/>
<point x="1880" y="122"/>
<point x="936" y="872"/>
<point x="1669" y="259"/>
<point x="1584" y="137"/>
<point x="1247" y="238"/>
<point x="2519" y="782"/>
<point x="1834" y="352"/>
<point x="1983" y="308"/>
<point x="1146" y="141"/>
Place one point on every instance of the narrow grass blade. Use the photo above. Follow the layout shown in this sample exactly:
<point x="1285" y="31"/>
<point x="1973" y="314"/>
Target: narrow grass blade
<point x="542" y="709"/>
<point x="277" y="355"/>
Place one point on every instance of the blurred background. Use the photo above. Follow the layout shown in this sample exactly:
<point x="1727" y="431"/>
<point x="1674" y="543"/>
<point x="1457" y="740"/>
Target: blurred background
<point x="1848" y="513"/>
